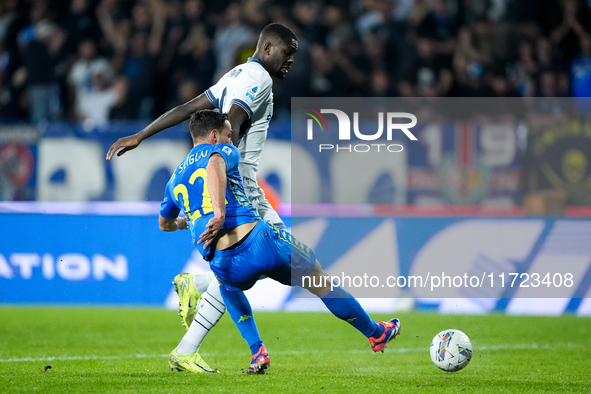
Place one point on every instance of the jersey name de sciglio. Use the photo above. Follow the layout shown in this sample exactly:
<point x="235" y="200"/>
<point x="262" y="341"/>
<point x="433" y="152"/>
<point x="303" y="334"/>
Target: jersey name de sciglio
<point x="187" y="190"/>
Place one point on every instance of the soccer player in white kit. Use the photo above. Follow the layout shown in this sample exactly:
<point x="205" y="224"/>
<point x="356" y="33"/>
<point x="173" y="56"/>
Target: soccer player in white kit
<point x="245" y="94"/>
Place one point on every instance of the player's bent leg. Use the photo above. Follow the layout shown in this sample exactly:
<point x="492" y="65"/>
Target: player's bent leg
<point x="241" y="314"/>
<point x="188" y="362"/>
<point x="209" y="312"/>
<point x="344" y="306"/>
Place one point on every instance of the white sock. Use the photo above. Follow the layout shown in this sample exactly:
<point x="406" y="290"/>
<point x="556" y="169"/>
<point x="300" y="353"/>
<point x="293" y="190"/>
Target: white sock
<point x="202" y="281"/>
<point x="209" y="312"/>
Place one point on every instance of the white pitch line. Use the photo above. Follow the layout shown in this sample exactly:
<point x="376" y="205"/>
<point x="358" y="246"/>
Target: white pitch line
<point x="78" y="358"/>
<point x="531" y="346"/>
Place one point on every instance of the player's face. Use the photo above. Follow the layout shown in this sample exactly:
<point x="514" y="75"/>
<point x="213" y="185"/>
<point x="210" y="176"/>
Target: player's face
<point x="283" y="58"/>
<point x="224" y="136"/>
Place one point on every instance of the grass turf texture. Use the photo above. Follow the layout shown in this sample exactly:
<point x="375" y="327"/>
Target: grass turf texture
<point x="124" y="350"/>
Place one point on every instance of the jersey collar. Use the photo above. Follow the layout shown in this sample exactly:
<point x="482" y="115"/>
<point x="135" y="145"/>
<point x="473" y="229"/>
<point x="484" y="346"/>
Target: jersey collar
<point x="256" y="60"/>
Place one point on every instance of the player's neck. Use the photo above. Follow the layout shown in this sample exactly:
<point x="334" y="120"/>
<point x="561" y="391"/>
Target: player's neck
<point x="256" y="58"/>
<point x="202" y="142"/>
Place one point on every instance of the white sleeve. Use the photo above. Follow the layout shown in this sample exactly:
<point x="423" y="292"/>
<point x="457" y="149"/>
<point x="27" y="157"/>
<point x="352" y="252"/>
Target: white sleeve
<point x="213" y="94"/>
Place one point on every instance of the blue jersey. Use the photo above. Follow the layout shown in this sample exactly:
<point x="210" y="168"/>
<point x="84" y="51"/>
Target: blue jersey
<point x="187" y="190"/>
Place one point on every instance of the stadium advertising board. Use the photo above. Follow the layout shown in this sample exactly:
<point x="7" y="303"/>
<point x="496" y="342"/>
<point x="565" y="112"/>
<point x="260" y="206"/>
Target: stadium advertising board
<point x="115" y="259"/>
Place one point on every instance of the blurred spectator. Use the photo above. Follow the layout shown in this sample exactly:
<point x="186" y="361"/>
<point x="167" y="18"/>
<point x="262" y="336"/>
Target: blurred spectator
<point x="523" y="72"/>
<point x="465" y="56"/>
<point x="435" y="20"/>
<point x="576" y="22"/>
<point x="307" y="15"/>
<point x="7" y="16"/>
<point x="581" y="70"/>
<point x="80" y="23"/>
<point x="8" y="107"/>
<point x="41" y="57"/>
<point x="548" y="86"/>
<point x="187" y="90"/>
<point x="254" y="13"/>
<point x="379" y="84"/>
<point x="85" y="68"/>
<point x="347" y="48"/>
<point x="94" y="105"/>
<point x="231" y="34"/>
<point x="406" y="89"/>
<point x="115" y="25"/>
<point x="339" y="27"/>
<point x="140" y="68"/>
<point x="500" y="86"/>
<point x="430" y="71"/>
<point x="196" y="58"/>
<point x="545" y="53"/>
<point x="375" y="13"/>
<point x="492" y="10"/>
<point x="175" y="31"/>
<point x="193" y="10"/>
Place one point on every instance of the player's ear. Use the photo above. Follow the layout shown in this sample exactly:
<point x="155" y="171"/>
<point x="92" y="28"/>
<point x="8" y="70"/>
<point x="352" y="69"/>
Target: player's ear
<point x="213" y="135"/>
<point x="268" y="48"/>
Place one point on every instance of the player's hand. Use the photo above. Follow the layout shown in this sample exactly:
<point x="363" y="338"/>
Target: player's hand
<point x="182" y="223"/>
<point x="127" y="143"/>
<point x="213" y="226"/>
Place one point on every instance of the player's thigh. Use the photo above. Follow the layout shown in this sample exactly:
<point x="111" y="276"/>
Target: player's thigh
<point x="293" y="261"/>
<point x="233" y="273"/>
<point x="242" y="267"/>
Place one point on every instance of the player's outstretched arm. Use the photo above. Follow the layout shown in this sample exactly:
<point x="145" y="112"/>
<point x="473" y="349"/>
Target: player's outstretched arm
<point x="171" y="118"/>
<point x="216" y="184"/>
<point x="179" y="223"/>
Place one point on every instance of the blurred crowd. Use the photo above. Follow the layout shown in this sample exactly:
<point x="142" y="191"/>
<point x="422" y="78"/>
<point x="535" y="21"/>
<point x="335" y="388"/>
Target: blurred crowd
<point x="93" y="61"/>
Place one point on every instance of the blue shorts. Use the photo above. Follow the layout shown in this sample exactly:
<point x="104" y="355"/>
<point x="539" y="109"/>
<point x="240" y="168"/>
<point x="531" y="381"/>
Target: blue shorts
<point x="269" y="251"/>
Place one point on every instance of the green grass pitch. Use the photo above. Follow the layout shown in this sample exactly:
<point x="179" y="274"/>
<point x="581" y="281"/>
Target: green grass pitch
<point x="124" y="350"/>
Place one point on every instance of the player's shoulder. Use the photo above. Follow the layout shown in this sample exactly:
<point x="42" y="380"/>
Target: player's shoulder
<point x="253" y="71"/>
<point x="225" y="149"/>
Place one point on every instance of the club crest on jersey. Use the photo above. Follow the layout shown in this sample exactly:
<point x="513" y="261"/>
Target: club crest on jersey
<point x="252" y="92"/>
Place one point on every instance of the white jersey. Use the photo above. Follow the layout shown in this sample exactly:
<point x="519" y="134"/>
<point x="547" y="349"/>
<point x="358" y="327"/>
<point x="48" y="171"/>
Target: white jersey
<point x="250" y="86"/>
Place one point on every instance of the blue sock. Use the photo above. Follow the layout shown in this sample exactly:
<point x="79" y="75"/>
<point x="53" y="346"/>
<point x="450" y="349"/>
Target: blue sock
<point x="345" y="307"/>
<point x="240" y="311"/>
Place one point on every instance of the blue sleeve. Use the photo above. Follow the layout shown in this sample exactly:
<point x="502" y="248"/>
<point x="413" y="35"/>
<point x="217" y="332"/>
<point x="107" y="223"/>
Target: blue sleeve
<point x="168" y="209"/>
<point x="230" y="153"/>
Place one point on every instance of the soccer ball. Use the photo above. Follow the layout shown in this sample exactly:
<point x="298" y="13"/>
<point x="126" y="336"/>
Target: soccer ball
<point x="451" y="350"/>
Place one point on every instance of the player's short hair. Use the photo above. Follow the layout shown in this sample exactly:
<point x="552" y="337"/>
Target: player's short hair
<point x="277" y="33"/>
<point x="202" y="122"/>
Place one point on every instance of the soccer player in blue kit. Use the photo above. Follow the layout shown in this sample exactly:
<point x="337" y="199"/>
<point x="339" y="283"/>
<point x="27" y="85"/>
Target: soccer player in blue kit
<point x="245" y="93"/>
<point x="241" y="247"/>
